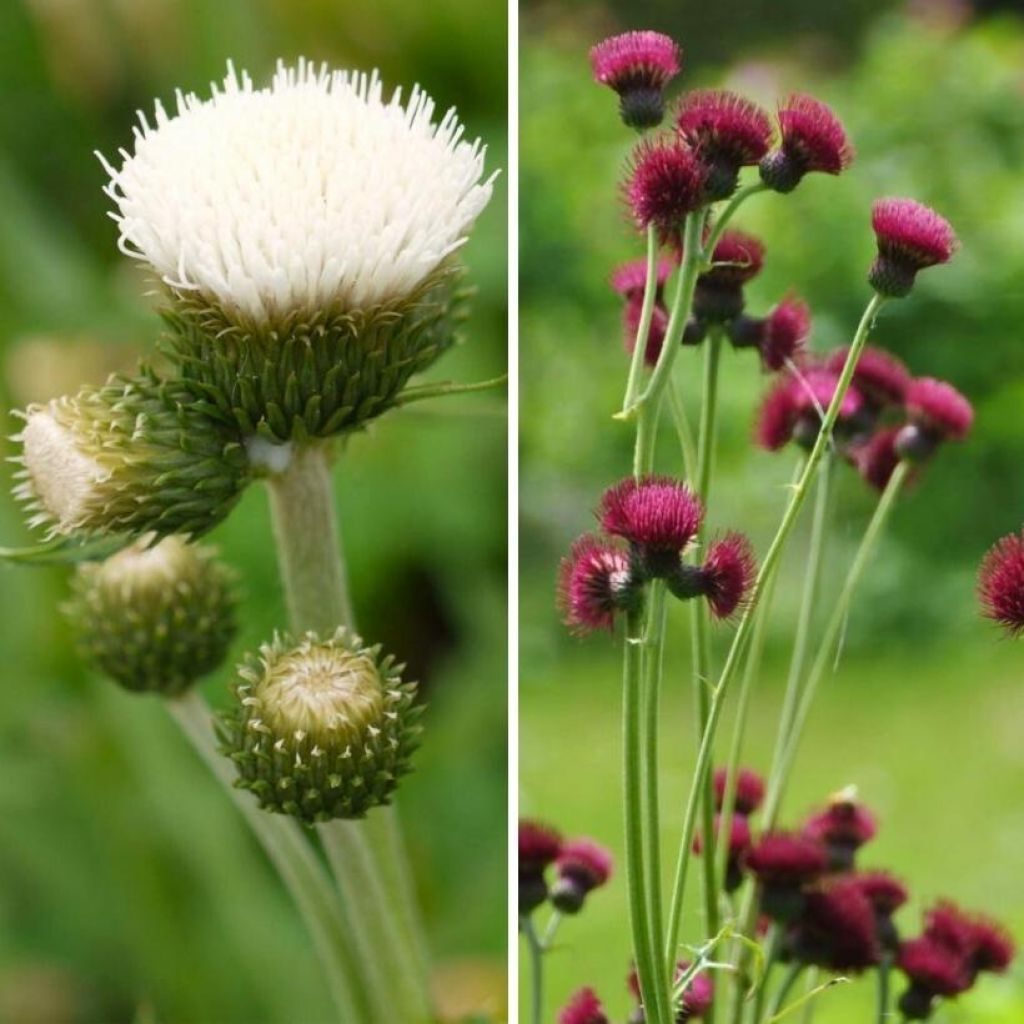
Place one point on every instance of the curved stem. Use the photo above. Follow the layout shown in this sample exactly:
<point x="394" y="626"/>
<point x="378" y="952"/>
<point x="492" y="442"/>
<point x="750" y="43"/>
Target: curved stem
<point x="831" y="636"/>
<point x="808" y="604"/>
<point x="740" y="196"/>
<point x="684" y="433"/>
<point x="742" y="635"/>
<point x="536" y="949"/>
<point x="636" y="364"/>
<point x="771" y="958"/>
<point x="292" y="857"/>
<point x="779" y="999"/>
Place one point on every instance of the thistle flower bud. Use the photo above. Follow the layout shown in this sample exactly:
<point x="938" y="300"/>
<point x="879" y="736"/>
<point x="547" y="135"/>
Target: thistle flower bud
<point x="813" y="139"/>
<point x="305" y="233"/>
<point x="844" y="826"/>
<point x="718" y="296"/>
<point x="135" y="456"/>
<point x="321" y="729"/>
<point x="583" y="1008"/>
<point x="638" y="66"/>
<point x="1001" y="583"/>
<point x="539" y="847"/>
<point x="937" y="412"/>
<point x="911" y="237"/>
<point x="582" y="866"/>
<point x="155" y="618"/>
<point x="784" y="863"/>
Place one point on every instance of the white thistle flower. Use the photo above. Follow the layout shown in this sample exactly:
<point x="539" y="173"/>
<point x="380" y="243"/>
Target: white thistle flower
<point x="315" y="193"/>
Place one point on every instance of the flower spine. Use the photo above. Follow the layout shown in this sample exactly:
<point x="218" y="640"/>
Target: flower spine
<point x="154" y="617"/>
<point x="321" y="729"/>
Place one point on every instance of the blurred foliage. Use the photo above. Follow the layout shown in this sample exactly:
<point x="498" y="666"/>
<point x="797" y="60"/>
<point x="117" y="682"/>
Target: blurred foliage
<point x="130" y="890"/>
<point x="923" y="711"/>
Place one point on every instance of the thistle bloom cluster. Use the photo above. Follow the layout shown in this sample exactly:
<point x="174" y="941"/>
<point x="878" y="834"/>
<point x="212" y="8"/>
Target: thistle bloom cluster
<point x="1001" y="583"/>
<point x="580" y="866"/>
<point x="648" y="525"/>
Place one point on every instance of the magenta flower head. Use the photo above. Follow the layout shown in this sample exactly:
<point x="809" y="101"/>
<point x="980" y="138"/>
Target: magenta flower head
<point x="886" y="895"/>
<point x="595" y="582"/>
<point x="779" y="337"/>
<point x="737" y="259"/>
<point x="739" y="844"/>
<point x="539" y="847"/>
<point x="1001" y="583"/>
<point x="638" y="66"/>
<point x="937" y="412"/>
<point x="582" y="866"/>
<point x="749" y="790"/>
<point x="583" y="1008"/>
<point x="813" y="139"/>
<point x="844" y="826"/>
<point x="658" y="516"/>
<point x="665" y="182"/>
<point x="727" y="574"/>
<point x="727" y="132"/>
<point x="695" y="1001"/>
<point x="876" y="459"/>
<point x="982" y="943"/>
<point x="836" y="929"/>
<point x="911" y="237"/>
<point x="785" y="863"/>
<point x="934" y="971"/>
<point x="879" y="376"/>
<point x="792" y="410"/>
<point x="629" y="279"/>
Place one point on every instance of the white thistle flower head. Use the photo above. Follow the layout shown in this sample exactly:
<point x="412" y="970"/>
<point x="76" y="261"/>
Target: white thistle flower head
<point x="321" y="728"/>
<point x="133" y="456"/>
<point x="315" y="193"/>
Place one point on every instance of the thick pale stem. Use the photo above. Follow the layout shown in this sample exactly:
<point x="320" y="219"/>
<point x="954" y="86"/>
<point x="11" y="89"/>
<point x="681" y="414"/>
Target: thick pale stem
<point x="742" y="635"/>
<point x="536" y="949"/>
<point x="292" y="857"/>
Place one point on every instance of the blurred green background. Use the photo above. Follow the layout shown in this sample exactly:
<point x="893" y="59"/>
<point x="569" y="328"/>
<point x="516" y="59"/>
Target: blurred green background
<point x="129" y="888"/>
<point x="926" y="712"/>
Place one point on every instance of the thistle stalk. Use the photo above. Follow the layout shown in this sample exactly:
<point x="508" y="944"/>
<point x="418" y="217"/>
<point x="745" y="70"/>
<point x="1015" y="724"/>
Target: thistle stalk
<point x="742" y="635"/>
<point x="367" y="869"/>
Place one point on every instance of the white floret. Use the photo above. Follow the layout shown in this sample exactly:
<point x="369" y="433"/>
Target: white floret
<point x="315" y="192"/>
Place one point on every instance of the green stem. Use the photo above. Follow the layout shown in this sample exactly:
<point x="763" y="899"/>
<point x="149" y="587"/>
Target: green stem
<point x="684" y="433"/>
<point x="536" y="968"/>
<point x="636" y="881"/>
<point x="808" y="604"/>
<point x="316" y="593"/>
<point x="781" y="994"/>
<point x="636" y="364"/>
<point x="445" y="388"/>
<point x="774" y="946"/>
<point x="812" y="1004"/>
<point x="293" y="858"/>
<point x="767" y="570"/>
<point x="830" y="639"/>
<point x="740" y="196"/>
<point x="883" y="989"/>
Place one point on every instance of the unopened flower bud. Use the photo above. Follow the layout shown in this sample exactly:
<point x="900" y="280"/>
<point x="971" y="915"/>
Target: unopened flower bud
<point x="135" y="456"/>
<point x="155" y="618"/>
<point x="321" y="729"/>
<point x="911" y="237"/>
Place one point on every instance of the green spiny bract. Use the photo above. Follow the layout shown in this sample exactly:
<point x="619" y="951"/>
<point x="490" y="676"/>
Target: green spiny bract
<point x="321" y="729"/>
<point x="154" y="618"/>
<point x="135" y="456"/>
<point x="313" y="376"/>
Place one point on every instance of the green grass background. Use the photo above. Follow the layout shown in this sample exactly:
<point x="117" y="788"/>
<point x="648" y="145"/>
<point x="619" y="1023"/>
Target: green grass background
<point x="926" y="710"/>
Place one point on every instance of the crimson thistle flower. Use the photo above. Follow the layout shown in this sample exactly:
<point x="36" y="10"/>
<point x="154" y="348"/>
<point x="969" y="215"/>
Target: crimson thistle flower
<point x="886" y="895"/>
<point x="879" y="376"/>
<point x="539" y="847"/>
<point x="595" y="582"/>
<point x="737" y="259"/>
<point x="728" y="574"/>
<point x="911" y="237"/>
<point x="779" y="337"/>
<point x="836" y="929"/>
<point x="739" y="844"/>
<point x="876" y="459"/>
<point x="749" y="790"/>
<point x="695" y="1001"/>
<point x="583" y="1008"/>
<point x="934" y="972"/>
<point x="937" y="412"/>
<point x="813" y="139"/>
<point x="629" y="280"/>
<point x="638" y="66"/>
<point x="727" y="132"/>
<point x="1001" y="583"/>
<point x="582" y="866"/>
<point x="792" y="409"/>
<point x="664" y="183"/>
<point x="784" y="863"/>
<point x="844" y="826"/>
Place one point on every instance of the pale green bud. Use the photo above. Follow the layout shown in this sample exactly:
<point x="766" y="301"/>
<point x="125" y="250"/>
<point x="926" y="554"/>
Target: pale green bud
<point x="154" y="618"/>
<point x="321" y="729"/>
<point x="135" y="456"/>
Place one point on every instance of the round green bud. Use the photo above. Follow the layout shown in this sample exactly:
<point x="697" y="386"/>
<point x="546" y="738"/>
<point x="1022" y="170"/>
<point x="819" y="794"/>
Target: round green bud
<point x="154" y="617"/>
<point x="321" y="729"/>
<point x="136" y="456"/>
<point x="313" y="375"/>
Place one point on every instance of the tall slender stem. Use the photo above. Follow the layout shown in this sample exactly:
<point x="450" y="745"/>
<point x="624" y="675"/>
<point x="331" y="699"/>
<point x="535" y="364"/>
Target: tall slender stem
<point x="316" y="592"/>
<point x="779" y="999"/>
<point x="829" y="640"/>
<point x="884" y="969"/>
<point x="636" y="364"/>
<point x="768" y="568"/>
<point x="808" y="604"/>
<point x="292" y="857"/>
<point x="740" y="196"/>
<point x="536" y="949"/>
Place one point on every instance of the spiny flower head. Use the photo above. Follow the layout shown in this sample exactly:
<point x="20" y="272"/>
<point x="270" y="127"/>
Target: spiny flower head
<point x="787" y="858"/>
<point x="911" y="237"/>
<point x="793" y="408"/>
<point x="749" y="790"/>
<point x="631" y="316"/>
<point x="879" y="376"/>
<point x="813" y="139"/>
<point x="1001" y="583"/>
<point x="836" y="929"/>
<point x="939" y="409"/>
<point x="583" y="1008"/>
<point x="594" y="584"/>
<point x="629" y="279"/>
<point x="885" y="893"/>
<point x="994" y="949"/>
<point x="876" y="459"/>
<point x="638" y="66"/>
<point x="784" y="332"/>
<point x="314" y="193"/>
<point x="664" y="184"/>
<point x="727" y="131"/>
<point x="728" y="573"/>
<point x="737" y="259"/>
<point x="653" y="512"/>
<point x="934" y="971"/>
<point x="983" y="944"/>
<point x="582" y="866"/>
<point x="843" y="826"/>
<point x="539" y="845"/>
<point x="696" y="999"/>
